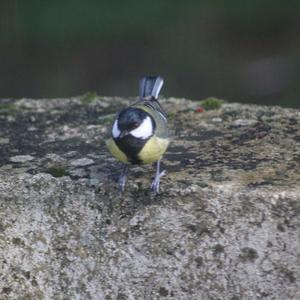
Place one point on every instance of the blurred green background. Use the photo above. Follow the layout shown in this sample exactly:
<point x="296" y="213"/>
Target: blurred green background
<point x="246" y="51"/>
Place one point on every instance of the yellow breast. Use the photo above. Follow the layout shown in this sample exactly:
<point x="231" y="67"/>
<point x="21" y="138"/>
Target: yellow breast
<point x="153" y="150"/>
<point x="115" y="151"/>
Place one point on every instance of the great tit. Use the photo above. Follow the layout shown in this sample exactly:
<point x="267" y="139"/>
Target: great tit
<point x="139" y="133"/>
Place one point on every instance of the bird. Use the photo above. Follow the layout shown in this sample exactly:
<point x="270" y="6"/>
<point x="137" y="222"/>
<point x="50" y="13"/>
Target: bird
<point x="139" y="133"/>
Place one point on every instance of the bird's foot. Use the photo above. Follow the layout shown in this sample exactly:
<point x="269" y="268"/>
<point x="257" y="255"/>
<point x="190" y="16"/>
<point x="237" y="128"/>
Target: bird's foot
<point x="155" y="183"/>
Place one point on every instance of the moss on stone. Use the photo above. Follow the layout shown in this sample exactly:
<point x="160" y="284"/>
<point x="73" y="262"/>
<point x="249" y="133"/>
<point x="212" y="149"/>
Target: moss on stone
<point x="57" y="171"/>
<point x="211" y="103"/>
<point x="88" y="98"/>
<point x="106" y="118"/>
<point x="171" y="115"/>
<point x="8" y="109"/>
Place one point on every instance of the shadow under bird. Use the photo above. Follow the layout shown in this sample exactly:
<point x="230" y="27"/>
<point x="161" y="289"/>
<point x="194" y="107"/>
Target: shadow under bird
<point x="139" y="133"/>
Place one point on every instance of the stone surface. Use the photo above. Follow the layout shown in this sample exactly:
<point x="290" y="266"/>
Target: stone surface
<point x="82" y="162"/>
<point x="21" y="158"/>
<point x="225" y="226"/>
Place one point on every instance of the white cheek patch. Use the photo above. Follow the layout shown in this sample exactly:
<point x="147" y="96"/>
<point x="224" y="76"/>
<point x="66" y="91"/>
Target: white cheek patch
<point x="144" y="131"/>
<point x="115" y="130"/>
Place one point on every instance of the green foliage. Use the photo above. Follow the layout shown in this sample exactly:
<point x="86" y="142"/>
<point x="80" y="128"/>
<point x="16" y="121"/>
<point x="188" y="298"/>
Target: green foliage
<point x="46" y="34"/>
<point x="90" y="20"/>
<point x="93" y="19"/>
<point x="57" y="171"/>
<point x="211" y="103"/>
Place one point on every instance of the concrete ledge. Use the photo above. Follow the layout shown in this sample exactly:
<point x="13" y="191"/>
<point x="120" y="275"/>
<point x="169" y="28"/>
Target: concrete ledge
<point x="225" y="226"/>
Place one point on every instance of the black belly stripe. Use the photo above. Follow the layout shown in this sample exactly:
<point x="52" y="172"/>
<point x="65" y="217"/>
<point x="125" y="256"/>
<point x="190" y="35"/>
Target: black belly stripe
<point x="131" y="146"/>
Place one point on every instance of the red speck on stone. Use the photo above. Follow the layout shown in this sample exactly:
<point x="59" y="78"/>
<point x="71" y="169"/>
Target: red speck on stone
<point x="199" y="109"/>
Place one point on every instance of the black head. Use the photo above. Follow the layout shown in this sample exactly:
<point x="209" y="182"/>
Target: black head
<point x="130" y="118"/>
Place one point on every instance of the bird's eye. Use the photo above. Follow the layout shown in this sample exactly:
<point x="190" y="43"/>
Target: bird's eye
<point x="135" y="124"/>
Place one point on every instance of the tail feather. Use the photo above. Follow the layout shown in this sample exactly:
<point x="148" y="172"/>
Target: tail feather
<point x="150" y="86"/>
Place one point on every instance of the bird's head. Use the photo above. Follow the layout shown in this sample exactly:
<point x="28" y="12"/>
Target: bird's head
<point x="133" y="121"/>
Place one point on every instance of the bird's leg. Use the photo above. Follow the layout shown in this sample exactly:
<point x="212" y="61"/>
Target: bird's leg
<point x="122" y="178"/>
<point x="158" y="174"/>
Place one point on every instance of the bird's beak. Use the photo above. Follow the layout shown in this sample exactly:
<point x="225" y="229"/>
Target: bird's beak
<point x="123" y="133"/>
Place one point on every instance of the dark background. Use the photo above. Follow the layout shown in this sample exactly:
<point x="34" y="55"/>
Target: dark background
<point x="245" y="51"/>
